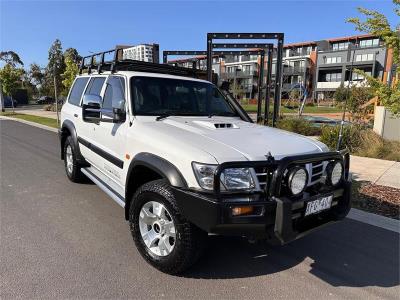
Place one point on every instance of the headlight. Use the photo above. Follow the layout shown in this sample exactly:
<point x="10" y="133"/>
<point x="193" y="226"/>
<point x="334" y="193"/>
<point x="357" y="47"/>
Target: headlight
<point x="237" y="179"/>
<point x="297" y="179"/>
<point x="231" y="179"/>
<point x="334" y="172"/>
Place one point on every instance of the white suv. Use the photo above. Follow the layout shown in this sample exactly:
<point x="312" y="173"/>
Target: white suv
<point x="184" y="160"/>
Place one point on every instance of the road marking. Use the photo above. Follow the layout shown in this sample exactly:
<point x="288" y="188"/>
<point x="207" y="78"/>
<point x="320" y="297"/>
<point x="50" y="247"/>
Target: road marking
<point x="30" y="123"/>
<point x="375" y="220"/>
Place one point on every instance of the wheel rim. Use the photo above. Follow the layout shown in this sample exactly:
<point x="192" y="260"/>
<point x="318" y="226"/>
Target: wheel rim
<point x="69" y="159"/>
<point x="157" y="228"/>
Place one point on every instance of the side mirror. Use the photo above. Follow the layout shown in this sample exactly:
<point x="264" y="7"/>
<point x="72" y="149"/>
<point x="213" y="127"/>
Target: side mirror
<point x="91" y="108"/>
<point x="119" y="114"/>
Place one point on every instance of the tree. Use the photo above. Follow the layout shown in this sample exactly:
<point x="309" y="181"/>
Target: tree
<point x="377" y="24"/>
<point x="341" y="93"/>
<point x="71" y="70"/>
<point x="9" y="74"/>
<point x="73" y="54"/>
<point x="36" y="74"/>
<point x="11" y="58"/>
<point x="55" y="67"/>
<point x="10" y="78"/>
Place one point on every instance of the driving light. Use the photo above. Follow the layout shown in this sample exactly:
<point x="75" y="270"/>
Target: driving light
<point x="297" y="180"/>
<point x="334" y="172"/>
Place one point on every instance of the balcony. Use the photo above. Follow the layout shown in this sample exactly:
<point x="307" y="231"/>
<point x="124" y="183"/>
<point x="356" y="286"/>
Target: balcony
<point x="328" y="85"/>
<point x="336" y="84"/>
<point x="293" y="70"/>
<point x="239" y="74"/>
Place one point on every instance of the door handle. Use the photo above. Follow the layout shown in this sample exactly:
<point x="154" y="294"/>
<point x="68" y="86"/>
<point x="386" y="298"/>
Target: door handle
<point x="75" y="115"/>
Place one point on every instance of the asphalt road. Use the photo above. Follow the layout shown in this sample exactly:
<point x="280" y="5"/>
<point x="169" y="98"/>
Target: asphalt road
<point x="65" y="240"/>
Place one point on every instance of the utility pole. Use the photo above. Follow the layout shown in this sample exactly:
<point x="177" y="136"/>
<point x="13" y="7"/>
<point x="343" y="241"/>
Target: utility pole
<point x="56" y="99"/>
<point x="1" y="99"/>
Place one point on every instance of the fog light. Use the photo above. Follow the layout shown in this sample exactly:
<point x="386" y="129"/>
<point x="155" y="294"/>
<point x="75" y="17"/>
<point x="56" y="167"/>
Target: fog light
<point x="242" y="210"/>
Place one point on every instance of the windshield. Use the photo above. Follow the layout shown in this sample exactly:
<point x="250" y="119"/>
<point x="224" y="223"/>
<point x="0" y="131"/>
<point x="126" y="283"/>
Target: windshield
<point x="162" y="96"/>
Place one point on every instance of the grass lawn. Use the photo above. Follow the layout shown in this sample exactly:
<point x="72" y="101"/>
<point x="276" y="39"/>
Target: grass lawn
<point x="308" y="109"/>
<point x="41" y="120"/>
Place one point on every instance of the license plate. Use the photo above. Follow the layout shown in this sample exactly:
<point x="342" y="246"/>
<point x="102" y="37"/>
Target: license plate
<point x="318" y="205"/>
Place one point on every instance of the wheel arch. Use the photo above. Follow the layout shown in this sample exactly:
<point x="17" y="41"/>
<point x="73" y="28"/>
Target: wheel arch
<point x="147" y="167"/>
<point x="68" y="129"/>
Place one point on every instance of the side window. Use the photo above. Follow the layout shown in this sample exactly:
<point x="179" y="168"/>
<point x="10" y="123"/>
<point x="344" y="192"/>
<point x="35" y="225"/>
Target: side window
<point x="115" y="91"/>
<point x="77" y="90"/>
<point x="95" y="85"/>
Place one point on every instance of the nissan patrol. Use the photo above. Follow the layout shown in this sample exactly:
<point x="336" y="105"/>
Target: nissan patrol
<point x="185" y="160"/>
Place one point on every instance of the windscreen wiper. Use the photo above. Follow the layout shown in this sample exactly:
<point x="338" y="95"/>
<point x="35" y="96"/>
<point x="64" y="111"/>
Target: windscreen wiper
<point x="162" y="117"/>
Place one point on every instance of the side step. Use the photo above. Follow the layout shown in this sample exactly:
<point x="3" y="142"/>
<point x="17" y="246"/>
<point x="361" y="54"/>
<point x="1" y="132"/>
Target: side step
<point x="104" y="187"/>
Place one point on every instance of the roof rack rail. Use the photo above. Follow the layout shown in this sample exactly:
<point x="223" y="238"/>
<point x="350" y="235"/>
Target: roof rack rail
<point x="119" y="64"/>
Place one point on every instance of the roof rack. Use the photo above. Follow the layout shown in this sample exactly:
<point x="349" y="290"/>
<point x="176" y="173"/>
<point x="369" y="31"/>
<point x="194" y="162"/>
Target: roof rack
<point x="117" y="64"/>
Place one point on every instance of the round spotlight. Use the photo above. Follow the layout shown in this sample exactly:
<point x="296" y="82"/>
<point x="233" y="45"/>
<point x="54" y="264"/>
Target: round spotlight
<point x="334" y="172"/>
<point x="297" y="180"/>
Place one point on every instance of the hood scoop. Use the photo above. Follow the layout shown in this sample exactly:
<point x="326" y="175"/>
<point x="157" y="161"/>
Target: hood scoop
<point x="216" y="125"/>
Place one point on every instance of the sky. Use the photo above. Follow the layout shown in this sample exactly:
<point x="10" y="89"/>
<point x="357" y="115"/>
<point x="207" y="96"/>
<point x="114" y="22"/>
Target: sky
<point x="30" y="27"/>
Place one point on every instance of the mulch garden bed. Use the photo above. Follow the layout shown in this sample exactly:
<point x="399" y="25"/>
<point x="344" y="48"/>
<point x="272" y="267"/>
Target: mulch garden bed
<point x="377" y="199"/>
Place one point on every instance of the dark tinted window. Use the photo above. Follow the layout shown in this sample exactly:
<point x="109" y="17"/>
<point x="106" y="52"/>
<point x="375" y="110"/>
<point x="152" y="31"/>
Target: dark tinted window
<point x="154" y="96"/>
<point x="115" y="91"/>
<point x="77" y="90"/>
<point x="95" y="85"/>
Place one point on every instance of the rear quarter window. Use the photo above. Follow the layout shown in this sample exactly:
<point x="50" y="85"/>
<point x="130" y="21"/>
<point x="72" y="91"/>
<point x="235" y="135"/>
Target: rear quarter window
<point x="77" y="90"/>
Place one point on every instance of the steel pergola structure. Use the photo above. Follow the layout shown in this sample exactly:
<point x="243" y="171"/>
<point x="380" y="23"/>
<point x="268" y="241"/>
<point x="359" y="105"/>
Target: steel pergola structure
<point x="279" y="37"/>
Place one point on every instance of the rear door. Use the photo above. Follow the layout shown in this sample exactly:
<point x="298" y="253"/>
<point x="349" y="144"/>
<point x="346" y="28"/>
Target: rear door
<point x="72" y="109"/>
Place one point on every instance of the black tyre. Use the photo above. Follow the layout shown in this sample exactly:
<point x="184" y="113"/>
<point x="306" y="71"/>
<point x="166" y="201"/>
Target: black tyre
<point x="162" y="235"/>
<point x="72" y="168"/>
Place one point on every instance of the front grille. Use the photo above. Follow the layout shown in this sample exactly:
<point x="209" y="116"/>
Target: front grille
<point x="261" y="173"/>
<point x="315" y="170"/>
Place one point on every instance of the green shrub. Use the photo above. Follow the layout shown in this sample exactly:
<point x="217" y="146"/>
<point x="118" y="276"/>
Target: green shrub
<point x="299" y="126"/>
<point x="361" y="141"/>
<point x="350" y="140"/>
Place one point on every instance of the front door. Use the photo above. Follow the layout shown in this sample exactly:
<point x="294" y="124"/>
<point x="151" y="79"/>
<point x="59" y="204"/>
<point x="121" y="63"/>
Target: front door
<point x="111" y="137"/>
<point x="86" y="134"/>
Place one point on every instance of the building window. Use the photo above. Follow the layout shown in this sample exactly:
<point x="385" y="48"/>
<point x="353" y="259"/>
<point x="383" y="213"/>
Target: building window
<point x="365" y="57"/>
<point x="333" y="77"/>
<point x="369" y="43"/>
<point x="340" y="46"/>
<point x="333" y="60"/>
<point x="309" y="49"/>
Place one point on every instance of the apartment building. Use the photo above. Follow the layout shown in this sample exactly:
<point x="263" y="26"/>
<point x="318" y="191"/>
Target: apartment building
<point x="142" y="52"/>
<point x="337" y="57"/>
<point x="317" y="68"/>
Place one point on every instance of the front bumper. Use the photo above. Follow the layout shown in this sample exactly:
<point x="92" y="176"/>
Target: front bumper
<point x="276" y="218"/>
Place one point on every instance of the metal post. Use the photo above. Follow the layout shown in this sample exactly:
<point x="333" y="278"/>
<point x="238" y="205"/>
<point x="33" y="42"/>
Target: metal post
<point x="268" y="86"/>
<point x="339" y="142"/>
<point x="209" y="57"/>
<point x="278" y="80"/>
<point x="56" y="99"/>
<point x="1" y="99"/>
<point x="260" y="83"/>
<point x="165" y="58"/>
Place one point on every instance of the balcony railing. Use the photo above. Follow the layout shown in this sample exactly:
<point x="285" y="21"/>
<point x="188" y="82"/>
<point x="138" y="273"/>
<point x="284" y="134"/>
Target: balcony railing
<point x="239" y="74"/>
<point x="294" y="70"/>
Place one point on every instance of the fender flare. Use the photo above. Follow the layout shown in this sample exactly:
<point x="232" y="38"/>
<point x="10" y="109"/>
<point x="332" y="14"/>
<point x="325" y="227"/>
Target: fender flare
<point x="68" y="125"/>
<point x="159" y="165"/>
